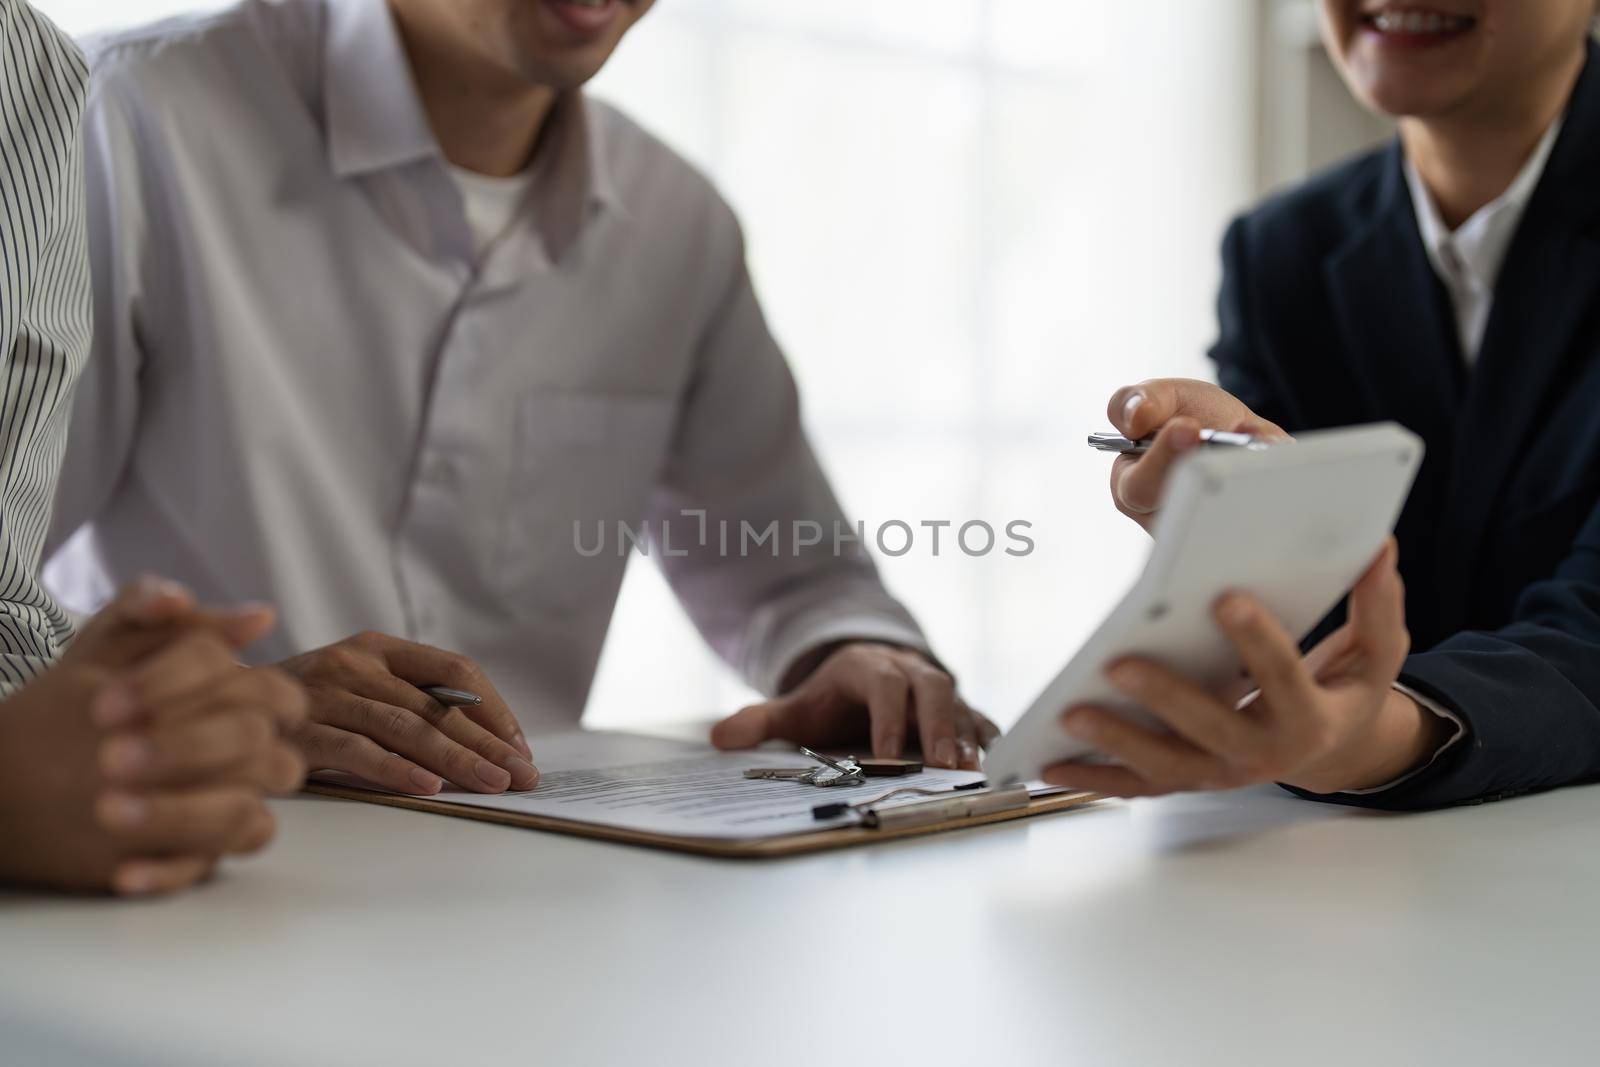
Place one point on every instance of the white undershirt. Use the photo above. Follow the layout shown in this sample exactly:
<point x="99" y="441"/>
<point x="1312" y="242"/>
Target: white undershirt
<point x="1468" y="259"/>
<point x="491" y="204"/>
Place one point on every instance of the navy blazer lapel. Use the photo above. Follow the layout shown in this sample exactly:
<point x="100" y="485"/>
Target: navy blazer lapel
<point x="1549" y="288"/>
<point x="1395" y="314"/>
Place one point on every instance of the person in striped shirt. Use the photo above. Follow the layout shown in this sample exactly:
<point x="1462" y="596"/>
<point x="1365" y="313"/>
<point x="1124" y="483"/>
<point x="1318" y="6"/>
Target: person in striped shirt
<point x="135" y="755"/>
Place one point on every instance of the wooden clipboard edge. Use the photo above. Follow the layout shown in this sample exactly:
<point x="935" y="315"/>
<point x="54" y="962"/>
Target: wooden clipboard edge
<point x="761" y="848"/>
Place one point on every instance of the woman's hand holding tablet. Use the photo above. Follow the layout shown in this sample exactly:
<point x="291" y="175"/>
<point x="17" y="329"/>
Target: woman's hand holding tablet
<point x="1252" y="549"/>
<point x="1329" y="722"/>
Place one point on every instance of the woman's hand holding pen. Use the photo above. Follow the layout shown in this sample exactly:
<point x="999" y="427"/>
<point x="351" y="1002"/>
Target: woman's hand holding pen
<point x="371" y="717"/>
<point x="1175" y="410"/>
<point x="1328" y="722"/>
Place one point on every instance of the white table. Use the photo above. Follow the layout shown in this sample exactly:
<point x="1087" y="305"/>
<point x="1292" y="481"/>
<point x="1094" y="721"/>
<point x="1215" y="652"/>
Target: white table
<point x="1247" y="928"/>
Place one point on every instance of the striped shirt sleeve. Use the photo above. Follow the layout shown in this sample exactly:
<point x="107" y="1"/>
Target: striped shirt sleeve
<point x="45" y="316"/>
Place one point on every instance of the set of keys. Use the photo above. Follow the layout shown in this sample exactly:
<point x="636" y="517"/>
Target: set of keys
<point x="845" y="771"/>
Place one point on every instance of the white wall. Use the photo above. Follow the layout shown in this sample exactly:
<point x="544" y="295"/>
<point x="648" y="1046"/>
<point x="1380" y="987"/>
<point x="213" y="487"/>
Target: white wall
<point x="970" y="221"/>
<point x="1308" y="117"/>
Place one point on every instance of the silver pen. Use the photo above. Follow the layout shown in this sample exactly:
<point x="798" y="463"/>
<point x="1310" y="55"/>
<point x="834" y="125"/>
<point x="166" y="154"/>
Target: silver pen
<point x="452" y="698"/>
<point x="1115" y="442"/>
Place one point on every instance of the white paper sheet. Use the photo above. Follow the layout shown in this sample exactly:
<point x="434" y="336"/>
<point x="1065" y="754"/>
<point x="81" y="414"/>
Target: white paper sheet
<point x="658" y="786"/>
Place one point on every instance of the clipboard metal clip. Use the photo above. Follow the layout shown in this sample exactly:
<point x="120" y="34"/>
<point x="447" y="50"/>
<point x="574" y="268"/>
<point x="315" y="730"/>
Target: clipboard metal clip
<point x="943" y="807"/>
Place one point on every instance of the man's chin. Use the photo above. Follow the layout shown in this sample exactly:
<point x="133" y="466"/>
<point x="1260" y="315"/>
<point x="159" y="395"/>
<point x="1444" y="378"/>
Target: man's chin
<point x="564" y="72"/>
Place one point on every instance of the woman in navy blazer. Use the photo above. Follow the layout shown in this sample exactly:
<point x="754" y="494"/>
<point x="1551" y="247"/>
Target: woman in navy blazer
<point x="1451" y="282"/>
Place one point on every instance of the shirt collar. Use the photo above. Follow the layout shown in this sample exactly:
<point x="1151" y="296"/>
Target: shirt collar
<point x="375" y="120"/>
<point x="574" y="153"/>
<point x="1476" y="250"/>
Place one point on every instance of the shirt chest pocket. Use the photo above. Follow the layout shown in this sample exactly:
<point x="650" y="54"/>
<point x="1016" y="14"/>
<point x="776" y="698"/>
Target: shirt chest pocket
<point x="583" y="461"/>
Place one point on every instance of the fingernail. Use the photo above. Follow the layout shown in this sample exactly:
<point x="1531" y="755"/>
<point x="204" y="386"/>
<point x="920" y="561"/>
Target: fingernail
<point x="944" y="752"/>
<point x="522" y="743"/>
<point x="1236" y="611"/>
<point x="1129" y="406"/>
<point x="425" y="782"/>
<point x="124" y="757"/>
<point x="123" y="810"/>
<point x="1126" y="676"/>
<point x="134" y="879"/>
<point x="153" y="587"/>
<point x="524" y="775"/>
<point x="969" y="754"/>
<point x="115" y="705"/>
<point x="490" y="775"/>
<point x="1080" y="726"/>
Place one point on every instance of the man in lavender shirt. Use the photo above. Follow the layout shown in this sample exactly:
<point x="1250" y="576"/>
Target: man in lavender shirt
<point x="388" y="311"/>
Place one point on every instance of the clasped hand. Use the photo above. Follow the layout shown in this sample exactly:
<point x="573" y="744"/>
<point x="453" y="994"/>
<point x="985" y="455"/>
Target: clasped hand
<point x="145" y="755"/>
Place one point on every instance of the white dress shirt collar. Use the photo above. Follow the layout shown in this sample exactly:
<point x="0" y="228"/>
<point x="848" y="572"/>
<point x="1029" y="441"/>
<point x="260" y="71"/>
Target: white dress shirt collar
<point x="1468" y="260"/>
<point x="374" y="117"/>
<point x="375" y="122"/>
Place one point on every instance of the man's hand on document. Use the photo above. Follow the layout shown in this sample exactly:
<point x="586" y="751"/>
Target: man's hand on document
<point x="1175" y="410"/>
<point x="861" y="690"/>
<point x="1328" y="722"/>
<point x="369" y="717"/>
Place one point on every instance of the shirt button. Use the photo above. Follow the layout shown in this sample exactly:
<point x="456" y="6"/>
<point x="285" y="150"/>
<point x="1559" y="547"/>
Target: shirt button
<point x="442" y="471"/>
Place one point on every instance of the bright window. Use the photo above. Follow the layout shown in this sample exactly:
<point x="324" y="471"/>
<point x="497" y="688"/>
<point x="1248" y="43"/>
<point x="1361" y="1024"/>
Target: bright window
<point x="969" y="220"/>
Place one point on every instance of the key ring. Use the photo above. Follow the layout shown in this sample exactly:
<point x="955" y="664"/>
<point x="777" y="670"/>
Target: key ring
<point x="840" y="772"/>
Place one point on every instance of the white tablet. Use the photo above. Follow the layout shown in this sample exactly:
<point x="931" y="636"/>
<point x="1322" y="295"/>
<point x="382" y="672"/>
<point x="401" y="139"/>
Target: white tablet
<point x="1295" y="524"/>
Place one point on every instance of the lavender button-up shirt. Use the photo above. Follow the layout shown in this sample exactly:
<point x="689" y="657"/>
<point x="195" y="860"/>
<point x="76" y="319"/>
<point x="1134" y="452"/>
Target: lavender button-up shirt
<point x="308" y="386"/>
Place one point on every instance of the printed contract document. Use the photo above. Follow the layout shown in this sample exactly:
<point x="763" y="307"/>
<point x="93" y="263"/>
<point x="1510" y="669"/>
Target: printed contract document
<point x="680" y="789"/>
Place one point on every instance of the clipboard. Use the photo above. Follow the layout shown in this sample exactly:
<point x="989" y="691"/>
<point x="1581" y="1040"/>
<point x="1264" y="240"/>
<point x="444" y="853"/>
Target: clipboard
<point x="792" y="844"/>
